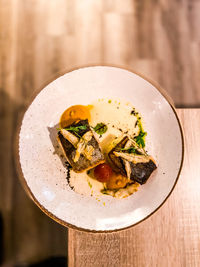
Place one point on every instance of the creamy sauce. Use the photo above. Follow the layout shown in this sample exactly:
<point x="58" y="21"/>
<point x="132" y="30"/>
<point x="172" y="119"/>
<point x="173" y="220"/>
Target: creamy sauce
<point x="119" y="120"/>
<point x="85" y="185"/>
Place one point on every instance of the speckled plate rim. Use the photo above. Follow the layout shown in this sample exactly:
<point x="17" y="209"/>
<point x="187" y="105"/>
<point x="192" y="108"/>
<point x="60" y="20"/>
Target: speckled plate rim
<point x="17" y="159"/>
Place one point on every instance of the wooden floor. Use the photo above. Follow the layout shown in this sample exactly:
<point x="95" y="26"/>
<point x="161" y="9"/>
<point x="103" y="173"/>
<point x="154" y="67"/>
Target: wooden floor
<point x="41" y="39"/>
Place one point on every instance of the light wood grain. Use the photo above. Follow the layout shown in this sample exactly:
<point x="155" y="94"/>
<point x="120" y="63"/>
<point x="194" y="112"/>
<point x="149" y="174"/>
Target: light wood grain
<point x="41" y="39"/>
<point x="170" y="237"/>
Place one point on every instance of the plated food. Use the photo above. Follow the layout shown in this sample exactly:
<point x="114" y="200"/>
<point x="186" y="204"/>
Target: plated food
<point x="104" y="145"/>
<point x="42" y="164"/>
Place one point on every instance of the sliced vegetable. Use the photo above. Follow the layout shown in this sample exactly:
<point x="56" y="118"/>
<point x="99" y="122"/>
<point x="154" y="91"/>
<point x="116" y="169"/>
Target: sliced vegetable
<point x="70" y="137"/>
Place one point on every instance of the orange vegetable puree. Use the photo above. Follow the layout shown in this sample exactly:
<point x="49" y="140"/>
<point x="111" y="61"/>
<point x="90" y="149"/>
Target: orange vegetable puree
<point x="74" y="113"/>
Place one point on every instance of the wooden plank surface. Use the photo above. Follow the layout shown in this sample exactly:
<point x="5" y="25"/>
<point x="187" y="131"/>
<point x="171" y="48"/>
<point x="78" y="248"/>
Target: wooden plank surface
<point x="41" y="39"/>
<point x="170" y="237"/>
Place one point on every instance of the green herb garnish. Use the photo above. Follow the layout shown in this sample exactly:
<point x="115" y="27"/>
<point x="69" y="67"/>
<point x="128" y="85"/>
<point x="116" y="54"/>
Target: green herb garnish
<point x="90" y="185"/>
<point x="130" y="150"/>
<point x="76" y="128"/>
<point x="100" y="128"/>
<point x="140" y="139"/>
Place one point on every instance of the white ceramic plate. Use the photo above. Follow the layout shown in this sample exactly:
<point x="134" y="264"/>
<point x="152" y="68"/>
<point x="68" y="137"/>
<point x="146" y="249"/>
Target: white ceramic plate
<point x="43" y="171"/>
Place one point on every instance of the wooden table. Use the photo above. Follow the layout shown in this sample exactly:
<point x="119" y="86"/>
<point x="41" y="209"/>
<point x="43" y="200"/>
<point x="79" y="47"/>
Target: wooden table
<point x="41" y="39"/>
<point x="170" y="237"/>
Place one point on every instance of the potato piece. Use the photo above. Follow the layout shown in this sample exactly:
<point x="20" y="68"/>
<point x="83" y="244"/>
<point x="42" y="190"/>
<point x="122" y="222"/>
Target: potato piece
<point x="117" y="181"/>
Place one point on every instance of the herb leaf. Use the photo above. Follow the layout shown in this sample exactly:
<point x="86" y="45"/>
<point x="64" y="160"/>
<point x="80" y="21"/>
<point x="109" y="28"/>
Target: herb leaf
<point x="100" y="128"/>
<point x="76" y="128"/>
<point x="140" y="139"/>
<point x="129" y="150"/>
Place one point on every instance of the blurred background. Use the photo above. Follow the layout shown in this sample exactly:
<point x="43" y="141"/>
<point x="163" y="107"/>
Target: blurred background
<point x="42" y="39"/>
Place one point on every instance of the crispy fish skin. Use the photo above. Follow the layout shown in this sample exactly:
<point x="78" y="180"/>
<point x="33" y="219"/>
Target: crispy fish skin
<point x="117" y="162"/>
<point x="138" y="171"/>
<point x="69" y="150"/>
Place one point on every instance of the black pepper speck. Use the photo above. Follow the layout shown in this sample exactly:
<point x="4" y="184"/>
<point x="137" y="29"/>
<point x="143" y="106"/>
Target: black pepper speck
<point x="69" y="167"/>
<point x="133" y="112"/>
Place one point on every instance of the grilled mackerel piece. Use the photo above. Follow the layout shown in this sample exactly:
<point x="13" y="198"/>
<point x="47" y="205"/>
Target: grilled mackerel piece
<point x="137" y="166"/>
<point x="80" y="148"/>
